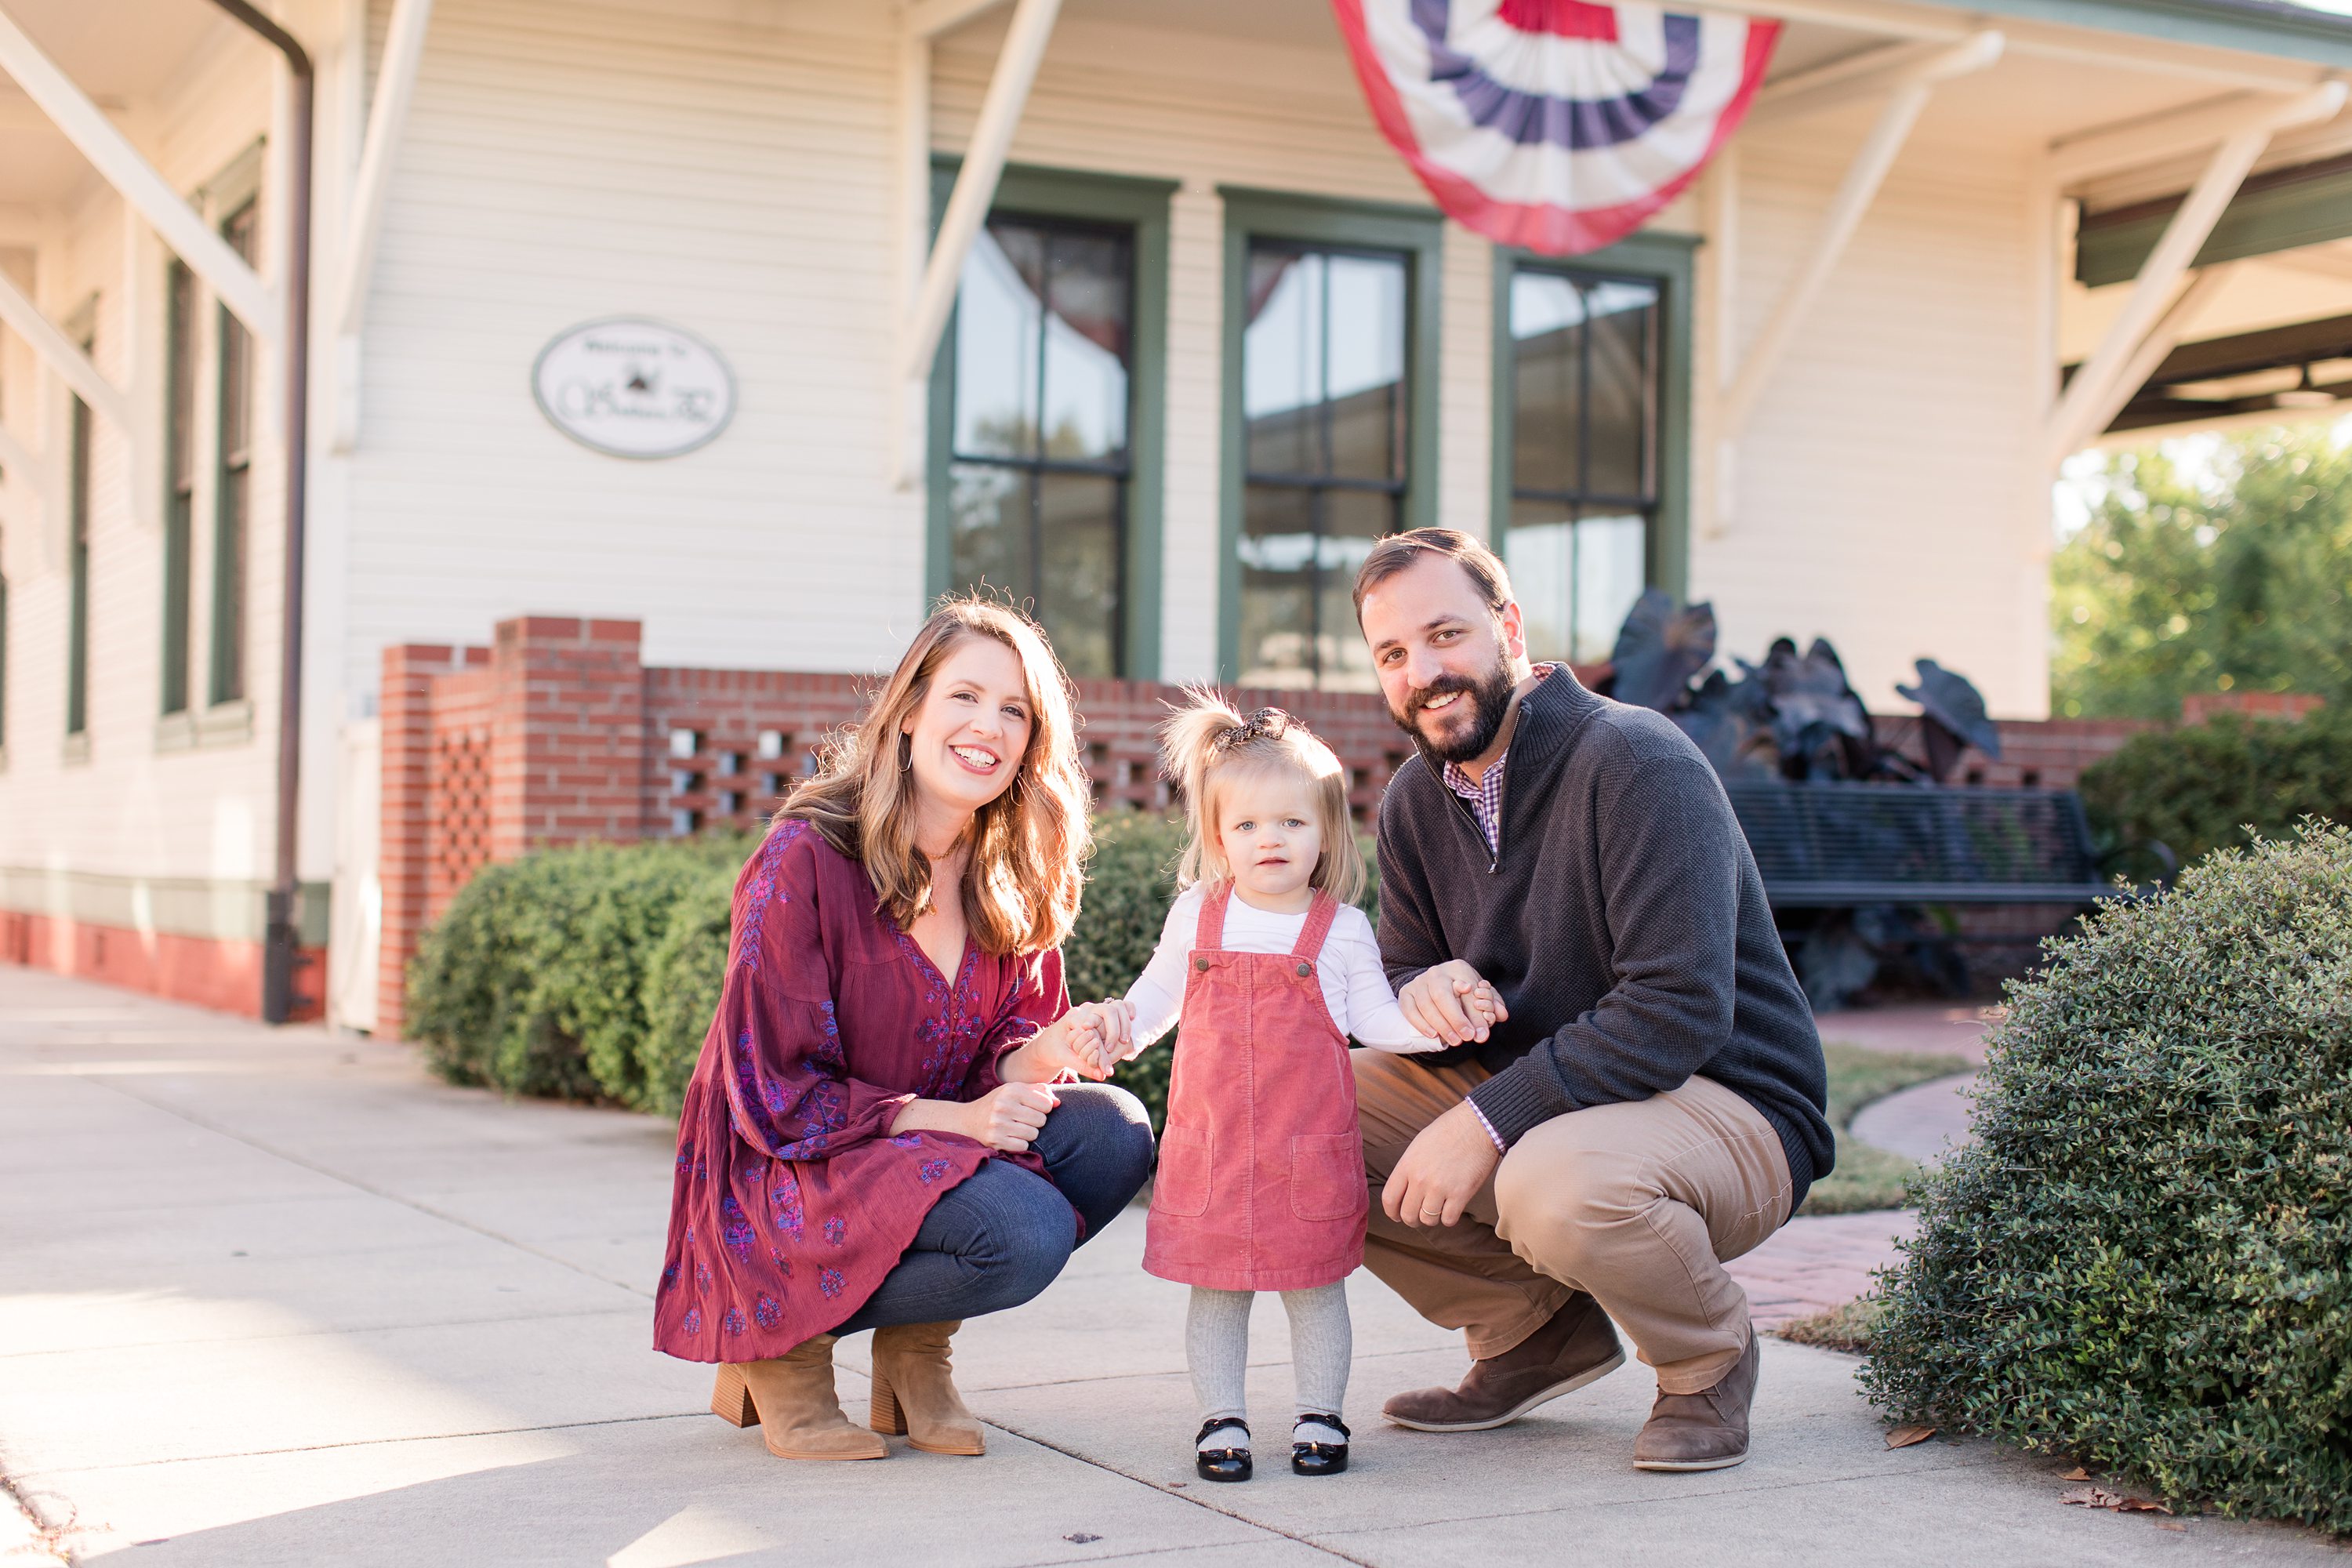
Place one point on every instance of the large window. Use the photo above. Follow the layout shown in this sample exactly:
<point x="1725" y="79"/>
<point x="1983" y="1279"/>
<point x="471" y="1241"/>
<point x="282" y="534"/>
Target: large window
<point x="1323" y="397"/>
<point x="1587" y="378"/>
<point x="180" y="482"/>
<point x="233" y="512"/>
<point x="1044" y="362"/>
<point x="1047" y="401"/>
<point x="1331" y="421"/>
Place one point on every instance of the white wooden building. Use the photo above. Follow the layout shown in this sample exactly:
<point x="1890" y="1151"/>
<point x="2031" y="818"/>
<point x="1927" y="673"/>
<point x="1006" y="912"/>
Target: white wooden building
<point x="1213" y="338"/>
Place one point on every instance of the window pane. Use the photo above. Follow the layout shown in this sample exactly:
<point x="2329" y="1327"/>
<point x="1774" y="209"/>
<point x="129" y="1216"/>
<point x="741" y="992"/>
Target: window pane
<point x="1087" y="346"/>
<point x="988" y="520"/>
<point x="1078" y="590"/>
<point x="78" y="574"/>
<point x="237" y="353"/>
<point x="1623" y="326"/>
<point x="228" y="586"/>
<point x="1548" y="345"/>
<point x="1282" y="361"/>
<point x="999" y="313"/>
<point x="1541" y="553"/>
<point x="1352" y="519"/>
<point x="180" y="410"/>
<point x="1608" y="577"/>
<point x="1366" y="373"/>
<point x="1277" y="607"/>
<point x="177" y="531"/>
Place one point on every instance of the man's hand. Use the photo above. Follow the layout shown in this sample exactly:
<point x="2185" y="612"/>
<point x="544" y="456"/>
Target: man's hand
<point x="1441" y="1170"/>
<point x="1447" y="1002"/>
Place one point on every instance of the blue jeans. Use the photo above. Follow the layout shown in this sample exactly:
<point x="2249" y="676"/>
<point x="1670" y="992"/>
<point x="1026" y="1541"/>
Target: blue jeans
<point x="1003" y="1234"/>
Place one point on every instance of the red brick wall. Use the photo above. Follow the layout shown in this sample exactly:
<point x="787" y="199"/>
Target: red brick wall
<point x="558" y="733"/>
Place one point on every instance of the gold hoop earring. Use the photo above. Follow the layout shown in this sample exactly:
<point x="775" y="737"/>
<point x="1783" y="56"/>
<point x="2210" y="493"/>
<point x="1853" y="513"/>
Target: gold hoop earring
<point x="906" y="753"/>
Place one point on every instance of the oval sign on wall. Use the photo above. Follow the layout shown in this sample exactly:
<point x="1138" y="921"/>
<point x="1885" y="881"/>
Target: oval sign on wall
<point x="634" y="388"/>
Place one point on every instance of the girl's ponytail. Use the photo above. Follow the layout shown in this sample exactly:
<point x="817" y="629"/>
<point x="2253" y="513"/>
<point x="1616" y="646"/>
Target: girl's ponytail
<point x="1189" y="739"/>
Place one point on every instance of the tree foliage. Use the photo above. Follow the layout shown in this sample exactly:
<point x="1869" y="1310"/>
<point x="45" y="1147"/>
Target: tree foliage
<point x="2232" y="573"/>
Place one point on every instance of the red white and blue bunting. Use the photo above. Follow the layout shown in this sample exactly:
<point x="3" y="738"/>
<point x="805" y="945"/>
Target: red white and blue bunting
<point x="1554" y="124"/>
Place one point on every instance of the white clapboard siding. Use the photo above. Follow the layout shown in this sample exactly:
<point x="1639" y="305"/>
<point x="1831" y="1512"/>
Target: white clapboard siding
<point x="727" y="170"/>
<point x="133" y="809"/>
<point x="1883" y="494"/>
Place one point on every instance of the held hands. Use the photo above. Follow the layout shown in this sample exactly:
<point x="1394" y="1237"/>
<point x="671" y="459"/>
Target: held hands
<point x="1450" y="1002"/>
<point x="1089" y="1040"/>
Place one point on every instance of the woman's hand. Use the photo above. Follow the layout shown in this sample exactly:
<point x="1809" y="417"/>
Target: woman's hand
<point x="1008" y="1117"/>
<point x="1089" y="1040"/>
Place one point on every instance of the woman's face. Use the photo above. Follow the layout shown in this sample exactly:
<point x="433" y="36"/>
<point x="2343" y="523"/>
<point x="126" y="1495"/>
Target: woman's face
<point x="967" y="737"/>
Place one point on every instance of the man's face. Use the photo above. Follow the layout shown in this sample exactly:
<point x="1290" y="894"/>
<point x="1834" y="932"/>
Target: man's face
<point x="1445" y="661"/>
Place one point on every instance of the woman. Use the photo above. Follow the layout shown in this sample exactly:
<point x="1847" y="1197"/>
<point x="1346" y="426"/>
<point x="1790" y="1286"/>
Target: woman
<point x="867" y="1142"/>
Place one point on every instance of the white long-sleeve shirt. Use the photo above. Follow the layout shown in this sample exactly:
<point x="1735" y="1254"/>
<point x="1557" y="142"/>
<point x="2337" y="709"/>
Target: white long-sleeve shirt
<point x="1355" y="986"/>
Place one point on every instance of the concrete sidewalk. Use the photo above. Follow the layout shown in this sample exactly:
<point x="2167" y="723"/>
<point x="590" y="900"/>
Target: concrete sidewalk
<point x="279" y="1297"/>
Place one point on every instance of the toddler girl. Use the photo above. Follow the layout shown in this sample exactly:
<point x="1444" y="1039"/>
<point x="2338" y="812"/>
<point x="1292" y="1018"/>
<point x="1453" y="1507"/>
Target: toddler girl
<point x="1260" y="1184"/>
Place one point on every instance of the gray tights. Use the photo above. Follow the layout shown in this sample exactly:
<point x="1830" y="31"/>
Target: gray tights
<point x="1216" y="1343"/>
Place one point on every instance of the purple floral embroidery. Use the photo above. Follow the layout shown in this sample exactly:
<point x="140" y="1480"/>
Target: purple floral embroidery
<point x="785" y="1203"/>
<point x="828" y="1046"/>
<point x="669" y="1277"/>
<point x="736" y="1230"/>
<point x="763" y="891"/>
<point x="783" y="1265"/>
<point x="908" y="1140"/>
<point x="933" y="1170"/>
<point x="767" y="1310"/>
<point x="693" y="1324"/>
<point x="685" y="1157"/>
<point x="701" y="1277"/>
<point x="733" y="1321"/>
<point x="830" y="1281"/>
<point x="835" y="1229"/>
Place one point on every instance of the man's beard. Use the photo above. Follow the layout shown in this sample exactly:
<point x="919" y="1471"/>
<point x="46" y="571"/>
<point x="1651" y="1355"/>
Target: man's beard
<point x="1490" y="701"/>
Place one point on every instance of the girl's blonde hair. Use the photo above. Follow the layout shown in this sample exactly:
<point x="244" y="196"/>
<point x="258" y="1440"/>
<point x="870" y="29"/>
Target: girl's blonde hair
<point x="1206" y="741"/>
<point x="1029" y="845"/>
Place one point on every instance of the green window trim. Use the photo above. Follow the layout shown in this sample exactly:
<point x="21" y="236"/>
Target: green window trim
<point x="235" y="426"/>
<point x="1666" y="259"/>
<point x="1419" y="233"/>
<point x="2284" y="209"/>
<point x="178" y="499"/>
<point x="1140" y="205"/>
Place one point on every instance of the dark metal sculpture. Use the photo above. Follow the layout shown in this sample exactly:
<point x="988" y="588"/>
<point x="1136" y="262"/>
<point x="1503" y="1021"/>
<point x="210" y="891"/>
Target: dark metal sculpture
<point x="1796" y="718"/>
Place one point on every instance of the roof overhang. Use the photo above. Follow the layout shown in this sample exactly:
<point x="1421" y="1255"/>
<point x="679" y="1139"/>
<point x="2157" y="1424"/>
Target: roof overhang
<point x="2250" y="26"/>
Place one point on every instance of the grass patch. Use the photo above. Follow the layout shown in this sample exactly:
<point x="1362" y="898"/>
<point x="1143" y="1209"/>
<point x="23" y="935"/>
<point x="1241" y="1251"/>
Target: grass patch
<point x="1846" y="1327"/>
<point x="1868" y="1178"/>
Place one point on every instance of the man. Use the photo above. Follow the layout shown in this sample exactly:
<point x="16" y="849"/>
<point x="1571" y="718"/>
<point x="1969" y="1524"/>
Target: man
<point x="1651" y="1104"/>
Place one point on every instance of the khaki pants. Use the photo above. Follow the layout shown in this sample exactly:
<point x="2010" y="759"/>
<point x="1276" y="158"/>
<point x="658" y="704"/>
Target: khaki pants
<point x="1638" y="1203"/>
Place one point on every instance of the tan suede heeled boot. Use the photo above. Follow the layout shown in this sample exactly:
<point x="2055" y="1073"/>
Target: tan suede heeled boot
<point x="792" y="1400"/>
<point x="913" y="1393"/>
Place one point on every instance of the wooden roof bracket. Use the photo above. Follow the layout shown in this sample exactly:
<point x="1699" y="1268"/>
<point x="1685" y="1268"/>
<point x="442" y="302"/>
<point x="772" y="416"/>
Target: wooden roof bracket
<point x="347" y="290"/>
<point x="1908" y="76"/>
<point x="124" y="167"/>
<point x="2090" y="401"/>
<point x="930" y="267"/>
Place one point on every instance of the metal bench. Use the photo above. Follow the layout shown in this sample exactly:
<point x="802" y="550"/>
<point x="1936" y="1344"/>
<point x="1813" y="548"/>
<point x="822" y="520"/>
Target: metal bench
<point x="1831" y="845"/>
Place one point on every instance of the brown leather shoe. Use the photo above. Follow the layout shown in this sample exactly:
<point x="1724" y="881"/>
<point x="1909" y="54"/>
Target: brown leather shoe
<point x="913" y="1394"/>
<point x="792" y="1400"/>
<point x="1703" y="1431"/>
<point x="1578" y="1346"/>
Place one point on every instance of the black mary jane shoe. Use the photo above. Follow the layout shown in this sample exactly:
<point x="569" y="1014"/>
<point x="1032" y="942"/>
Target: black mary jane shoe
<point x="1320" y="1458"/>
<point x="1222" y="1464"/>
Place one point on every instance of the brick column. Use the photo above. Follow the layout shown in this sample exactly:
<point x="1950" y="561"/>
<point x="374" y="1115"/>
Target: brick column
<point x="567" y="734"/>
<point x="405" y="855"/>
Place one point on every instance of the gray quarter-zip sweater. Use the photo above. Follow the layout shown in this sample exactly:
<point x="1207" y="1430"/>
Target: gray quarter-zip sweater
<point x="1622" y="919"/>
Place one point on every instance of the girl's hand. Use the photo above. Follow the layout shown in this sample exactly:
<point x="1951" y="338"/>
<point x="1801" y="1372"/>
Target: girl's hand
<point x="1008" y="1117"/>
<point x="1087" y="1040"/>
<point x="1438" y="1003"/>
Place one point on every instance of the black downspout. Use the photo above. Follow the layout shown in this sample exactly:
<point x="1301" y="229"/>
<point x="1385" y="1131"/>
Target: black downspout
<point x="279" y="941"/>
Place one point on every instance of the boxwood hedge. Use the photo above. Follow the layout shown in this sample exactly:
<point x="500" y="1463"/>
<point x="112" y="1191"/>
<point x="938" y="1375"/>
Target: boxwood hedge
<point x="2141" y="1262"/>
<point x="2198" y="789"/>
<point x="592" y="972"/>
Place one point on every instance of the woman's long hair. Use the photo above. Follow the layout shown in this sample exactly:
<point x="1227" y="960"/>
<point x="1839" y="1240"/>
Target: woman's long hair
<point x="1029" y="845"/>
<point x="1206" y="743"/>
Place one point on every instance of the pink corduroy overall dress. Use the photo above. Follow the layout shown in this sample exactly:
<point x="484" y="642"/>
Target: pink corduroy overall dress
<point x="1261" y="1182"/>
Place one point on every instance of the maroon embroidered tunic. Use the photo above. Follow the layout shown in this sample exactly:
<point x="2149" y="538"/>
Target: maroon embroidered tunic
<point x="792" y="1198"/>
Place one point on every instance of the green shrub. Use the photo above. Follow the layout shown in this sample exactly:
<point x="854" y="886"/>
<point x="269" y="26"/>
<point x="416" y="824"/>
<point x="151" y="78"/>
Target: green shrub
<point x="2195" y="789"/>
<point x="683" y="976"/>
<point x="2140" y="1263"/>
<point x="533" y="981"/>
